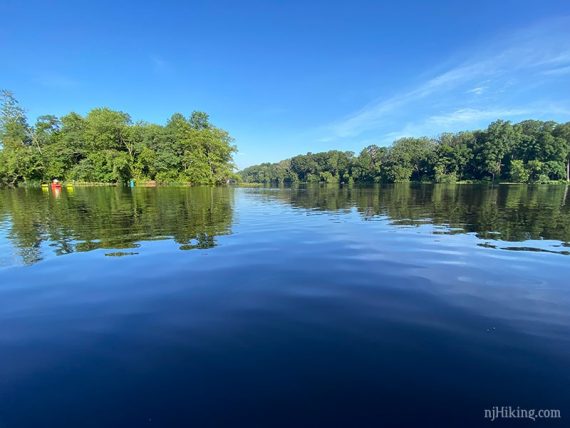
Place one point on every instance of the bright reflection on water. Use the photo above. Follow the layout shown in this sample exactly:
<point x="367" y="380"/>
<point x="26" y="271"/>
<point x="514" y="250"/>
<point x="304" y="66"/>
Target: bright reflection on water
<point x="394" y="306"/>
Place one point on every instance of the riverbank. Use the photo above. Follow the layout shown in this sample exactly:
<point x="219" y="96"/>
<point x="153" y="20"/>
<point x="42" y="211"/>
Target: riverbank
<point x="151" y="183"/>
<point x="366" y="183"/>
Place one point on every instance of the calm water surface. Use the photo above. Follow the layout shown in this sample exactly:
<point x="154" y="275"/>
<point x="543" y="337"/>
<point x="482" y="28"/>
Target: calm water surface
<point x="394" y="306"/>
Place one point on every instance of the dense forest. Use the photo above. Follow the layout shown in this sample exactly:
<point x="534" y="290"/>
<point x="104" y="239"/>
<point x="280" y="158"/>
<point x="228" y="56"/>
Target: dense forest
<point x="106" y="146"/>
<point x="527" y="152"/>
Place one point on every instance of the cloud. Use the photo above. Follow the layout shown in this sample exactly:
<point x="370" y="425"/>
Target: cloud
<point x="466" y="118"/>
<point x="470" y="115"/>
<point x="557" y="71"/>
<point x="460" y="118"/>
<point x="502" y="78"/>
<point x="476" y="91"/>
<point x="376" y="113"/>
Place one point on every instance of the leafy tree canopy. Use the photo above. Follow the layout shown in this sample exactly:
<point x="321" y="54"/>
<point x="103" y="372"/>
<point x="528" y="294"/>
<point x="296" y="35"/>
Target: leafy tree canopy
<point x="530" y="151"/>
<point x="106" y="146"/>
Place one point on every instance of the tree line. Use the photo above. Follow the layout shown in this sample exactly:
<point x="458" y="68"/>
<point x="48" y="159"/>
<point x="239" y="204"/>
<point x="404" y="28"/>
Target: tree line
<point x="531" y="151"/>
<point x="106" y="146"/>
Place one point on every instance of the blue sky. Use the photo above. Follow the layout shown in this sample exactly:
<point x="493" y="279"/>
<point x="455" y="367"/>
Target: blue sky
<point x="287" y="77"/>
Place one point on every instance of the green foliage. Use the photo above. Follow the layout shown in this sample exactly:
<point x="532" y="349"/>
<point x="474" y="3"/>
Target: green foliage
<point x="442" y="176"/>
<point x="105" y="146"/>
<point x="494" y="146"/>
<point x="519" y="172"/>
<point x="412" y="154"/>
<point x="535" y="168"/>
<point x="14" y="129"/>
<point x="399" y="173"/>
<point x="368" y="166"/>
<point x="327" y="177"/>
<point x="530" y="151"/>
<point x="331" y="167"/>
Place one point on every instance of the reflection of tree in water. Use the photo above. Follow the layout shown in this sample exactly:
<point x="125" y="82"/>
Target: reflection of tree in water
<point x="506" y="212"/>
<point x="119" y="218"/>
<point x="116" y="218"/>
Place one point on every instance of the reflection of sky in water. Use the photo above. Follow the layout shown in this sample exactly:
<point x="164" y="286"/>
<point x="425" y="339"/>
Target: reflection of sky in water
<point x="8" y="254"/>
<point x="281" y="296"/>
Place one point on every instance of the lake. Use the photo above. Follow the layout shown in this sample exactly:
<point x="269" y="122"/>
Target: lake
<point x="402" y="305"/>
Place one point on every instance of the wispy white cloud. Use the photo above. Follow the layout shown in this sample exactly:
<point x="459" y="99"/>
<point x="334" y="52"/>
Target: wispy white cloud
<point x="500" y="77"/>
<point x="477" y="90"/>
<point x="459" y="118"/>
<point x="465" y="118"/>
<point x="557" y="71"/>
<point x="470" y="115"/>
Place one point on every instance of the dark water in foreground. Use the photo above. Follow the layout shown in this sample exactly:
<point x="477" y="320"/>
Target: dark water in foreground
<point x="398" y="306"/>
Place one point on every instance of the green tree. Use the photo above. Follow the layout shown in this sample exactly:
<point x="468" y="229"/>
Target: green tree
<point x="495" y="146"/>
<point x="519" y="172"/>
<point x="562" y="131"/>
<point x="105" y="146"/>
